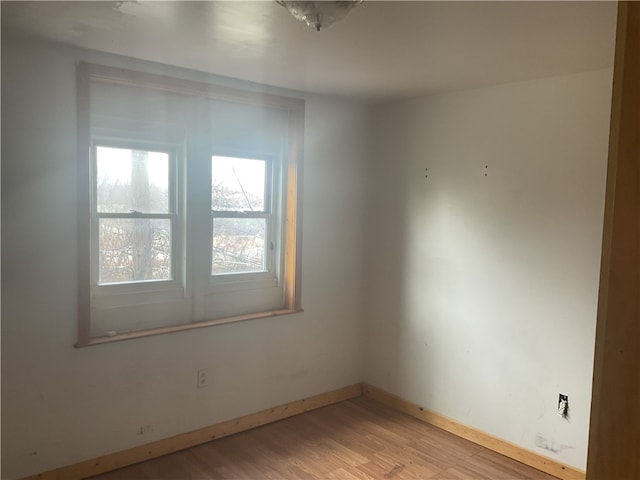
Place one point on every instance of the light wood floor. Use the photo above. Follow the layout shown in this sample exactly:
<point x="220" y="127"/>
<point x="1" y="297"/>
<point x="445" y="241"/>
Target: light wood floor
<point x="354" y="440"/>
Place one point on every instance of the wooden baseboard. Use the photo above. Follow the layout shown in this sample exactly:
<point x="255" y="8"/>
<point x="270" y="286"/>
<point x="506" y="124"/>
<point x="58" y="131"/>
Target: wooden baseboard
<point x="148" y="451"/>
<point x="503" y="447"/>
<point x="176" y="443"/>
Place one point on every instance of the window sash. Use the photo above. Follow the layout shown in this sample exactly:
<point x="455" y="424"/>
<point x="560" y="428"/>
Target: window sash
<point x="270" y="180"/>
<point x="132" y="288"/>
<point x="270" y="276"/>
<point x="136" y="215"/>
<point x="270" y="251"/>
<point x="239" y="214"/>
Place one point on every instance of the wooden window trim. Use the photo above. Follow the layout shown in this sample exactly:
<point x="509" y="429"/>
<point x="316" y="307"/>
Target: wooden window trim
<point x="187" y="326"/>
<point x="88" y="73"/>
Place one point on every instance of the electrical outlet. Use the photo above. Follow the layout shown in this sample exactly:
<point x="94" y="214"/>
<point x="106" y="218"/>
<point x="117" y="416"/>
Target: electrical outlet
<point x="563" y="405"/>
<point x="144" y="429"/>
<point x="203" y="378"/>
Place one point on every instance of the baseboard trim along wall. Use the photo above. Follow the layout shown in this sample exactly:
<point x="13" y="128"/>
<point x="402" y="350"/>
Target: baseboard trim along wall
<point x="156" y="449"/>
<point x="176" y="443"/>
<point x="498" y="445"/>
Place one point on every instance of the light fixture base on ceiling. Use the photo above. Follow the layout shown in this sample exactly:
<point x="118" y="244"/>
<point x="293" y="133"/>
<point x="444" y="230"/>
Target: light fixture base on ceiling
<point x="319" y="15"/>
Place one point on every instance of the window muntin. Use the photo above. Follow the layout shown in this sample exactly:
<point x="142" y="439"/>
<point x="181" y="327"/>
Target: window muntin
<point x="134" y="215"/>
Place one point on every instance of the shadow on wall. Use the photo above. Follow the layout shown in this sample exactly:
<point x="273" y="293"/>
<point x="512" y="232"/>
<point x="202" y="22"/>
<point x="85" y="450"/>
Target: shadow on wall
<point x="387" y="242"/>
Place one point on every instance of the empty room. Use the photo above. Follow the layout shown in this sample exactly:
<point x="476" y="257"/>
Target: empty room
<point x="345" y="240"/>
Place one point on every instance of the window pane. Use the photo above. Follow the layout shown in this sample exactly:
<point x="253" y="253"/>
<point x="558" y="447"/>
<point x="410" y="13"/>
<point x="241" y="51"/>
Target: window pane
<point x="238" y="245"/>
<point x="134" y="250"/>
<point x="237" y="184"/>
<point x="132" y="180"/>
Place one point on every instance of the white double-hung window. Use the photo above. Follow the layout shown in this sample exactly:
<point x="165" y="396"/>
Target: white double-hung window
<point x="242" y="224"/>
<point x="189" y="204"/>
<point x="135" y="212"/>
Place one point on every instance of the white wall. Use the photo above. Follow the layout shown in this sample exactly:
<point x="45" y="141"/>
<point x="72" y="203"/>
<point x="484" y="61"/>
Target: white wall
<point x="61" y="405"/>
<point x="482" y="293"/>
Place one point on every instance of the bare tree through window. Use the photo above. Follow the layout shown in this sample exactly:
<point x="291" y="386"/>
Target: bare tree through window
<point x="239" y="204"/>
<point x="134" y="244"/>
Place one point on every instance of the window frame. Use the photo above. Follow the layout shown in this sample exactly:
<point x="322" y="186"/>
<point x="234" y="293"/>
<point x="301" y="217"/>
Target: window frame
<point x="288" y="260"/>
<point x="174" y="215"/>
<point x="270" y="214"/>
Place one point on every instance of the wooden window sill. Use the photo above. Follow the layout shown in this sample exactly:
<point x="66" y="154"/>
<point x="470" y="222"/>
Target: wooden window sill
<point x="184" y="327"/>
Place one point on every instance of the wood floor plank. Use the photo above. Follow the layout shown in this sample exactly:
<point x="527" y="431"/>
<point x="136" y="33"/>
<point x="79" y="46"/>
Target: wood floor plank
<point x="183" y="467"/>
<point x="358" y="439"/>
<point x="487" y="465"/>
<point x="287" y="453"/>
<point x="238" y="458"/>
<point x="409" y="463"/>
<point x="437" y="438"/>
<point x="343" y="474"/>
<point x="380" y="468"/>
<point x="364" y="446"/>
<point x="511" y="468"/>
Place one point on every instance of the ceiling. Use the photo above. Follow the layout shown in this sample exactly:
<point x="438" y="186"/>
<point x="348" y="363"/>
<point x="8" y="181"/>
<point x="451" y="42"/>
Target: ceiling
<point x="380" y="51"/>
